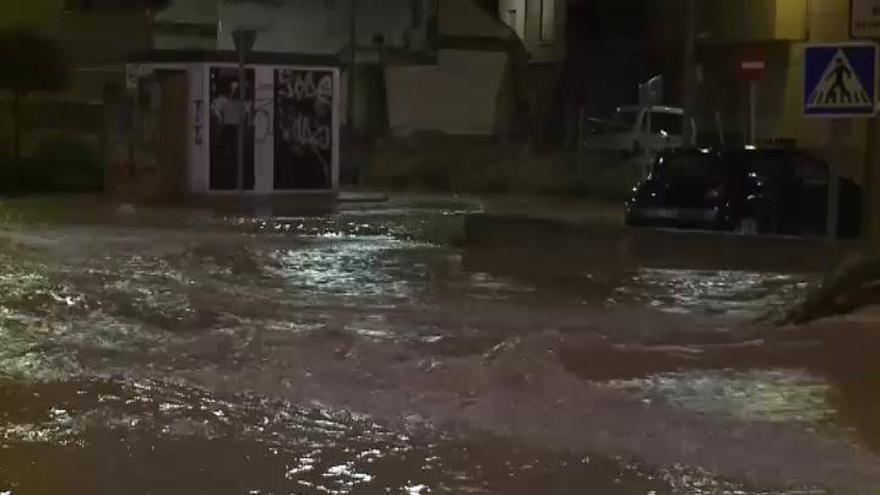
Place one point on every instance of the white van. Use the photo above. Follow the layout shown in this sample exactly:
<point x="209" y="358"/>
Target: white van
<point x="639" y="133"/>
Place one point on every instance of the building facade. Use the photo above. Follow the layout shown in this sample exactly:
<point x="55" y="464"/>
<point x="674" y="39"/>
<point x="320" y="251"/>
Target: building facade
<point x="402" y="29"/>
<point x="775" y="32"/>
<point x="422" y="65"/>
<point x="97" y="35"/>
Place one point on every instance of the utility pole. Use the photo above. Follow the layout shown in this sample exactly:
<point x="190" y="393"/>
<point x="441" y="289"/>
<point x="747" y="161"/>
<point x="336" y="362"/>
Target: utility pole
<point x="352" y="67"/>
<point x="840" y="131"/>
<point x="688" y="88"/>
<point x="753" y="112"/>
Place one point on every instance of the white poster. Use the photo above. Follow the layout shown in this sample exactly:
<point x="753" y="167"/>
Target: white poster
<point x="865" y="19"/>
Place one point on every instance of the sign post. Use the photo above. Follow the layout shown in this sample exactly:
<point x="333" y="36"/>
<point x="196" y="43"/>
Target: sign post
<point x="840" y="82"/>
<point x="752" y="69"/>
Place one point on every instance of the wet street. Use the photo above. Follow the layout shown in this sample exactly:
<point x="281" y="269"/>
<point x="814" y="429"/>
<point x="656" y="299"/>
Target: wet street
<point x="374" y="349"/>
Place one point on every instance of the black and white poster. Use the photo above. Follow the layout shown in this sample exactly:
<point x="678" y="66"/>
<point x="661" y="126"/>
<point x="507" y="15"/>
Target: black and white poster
<point x="304" y="129"/>
<point x="226" y="113"/>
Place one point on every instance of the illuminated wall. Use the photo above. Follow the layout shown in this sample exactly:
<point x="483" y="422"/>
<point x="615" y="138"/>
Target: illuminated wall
<point x="827" y="22"/>
<point x="737" y="21"/>
<point x="540" y="24"/>
<point x="463" y="92"/>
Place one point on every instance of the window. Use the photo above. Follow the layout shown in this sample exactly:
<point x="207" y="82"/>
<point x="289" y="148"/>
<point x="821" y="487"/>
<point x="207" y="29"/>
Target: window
<point x="690" y="167"/>
<point x="548" y="20"/>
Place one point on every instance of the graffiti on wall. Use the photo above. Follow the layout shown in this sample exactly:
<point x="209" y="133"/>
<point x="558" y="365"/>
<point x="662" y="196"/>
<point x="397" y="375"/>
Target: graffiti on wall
<point x="198" y="124"/>
<point x="262" y="117"/>
<point x="303" y="129"/>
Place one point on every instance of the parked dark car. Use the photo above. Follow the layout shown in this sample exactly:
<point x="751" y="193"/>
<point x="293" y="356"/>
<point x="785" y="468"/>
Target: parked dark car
<point x="750" y="191"/>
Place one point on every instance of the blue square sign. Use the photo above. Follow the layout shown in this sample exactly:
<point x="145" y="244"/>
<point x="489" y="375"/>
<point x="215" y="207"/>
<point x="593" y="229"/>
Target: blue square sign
<point x="840" y="80"/>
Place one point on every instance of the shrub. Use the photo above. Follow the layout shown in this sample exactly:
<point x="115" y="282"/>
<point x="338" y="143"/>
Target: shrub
<point x="31" y="62"/>
<point x="58" y="163"/>
<point x="8" y="175"/>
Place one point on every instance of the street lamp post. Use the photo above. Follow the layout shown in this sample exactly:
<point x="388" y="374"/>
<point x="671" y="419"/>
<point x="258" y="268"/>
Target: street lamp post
<point x="689" y="68"/>
<point x="244" y="42"/>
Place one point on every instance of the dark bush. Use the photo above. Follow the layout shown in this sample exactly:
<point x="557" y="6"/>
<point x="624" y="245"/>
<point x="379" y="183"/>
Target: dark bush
<point x="58" y="164"/>
<point x="31" y="62"/>
<point x="8" y="175"/>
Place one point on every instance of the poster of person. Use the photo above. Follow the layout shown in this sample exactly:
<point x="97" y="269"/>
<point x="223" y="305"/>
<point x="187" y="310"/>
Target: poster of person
<point x="226" y="113"/>
<point x="303" y="129"/>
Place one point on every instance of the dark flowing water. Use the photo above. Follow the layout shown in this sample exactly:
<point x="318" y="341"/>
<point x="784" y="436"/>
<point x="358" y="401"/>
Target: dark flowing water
<point x="357" y="352"/>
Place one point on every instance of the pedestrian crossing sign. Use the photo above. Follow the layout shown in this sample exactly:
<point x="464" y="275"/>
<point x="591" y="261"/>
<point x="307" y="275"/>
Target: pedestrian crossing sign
<point x="840" y="80"/>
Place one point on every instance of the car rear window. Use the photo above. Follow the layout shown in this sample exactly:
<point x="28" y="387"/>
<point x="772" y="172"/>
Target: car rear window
<point x="690" y="166"/>
<point x="784" y="164"/>
<point x="809" y="169"/>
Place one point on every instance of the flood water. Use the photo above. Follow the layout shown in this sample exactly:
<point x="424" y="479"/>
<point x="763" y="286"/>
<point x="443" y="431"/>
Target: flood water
<point x="367" y="351"/>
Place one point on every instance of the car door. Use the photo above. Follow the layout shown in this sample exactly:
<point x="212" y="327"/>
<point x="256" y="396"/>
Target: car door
<point x="812" y="175"/>
<point x="782" y="178"/>
<point x="692" y="182"/>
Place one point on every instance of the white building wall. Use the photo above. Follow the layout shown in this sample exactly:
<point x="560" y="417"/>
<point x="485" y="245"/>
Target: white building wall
<point x="540" y="24"/>
<point x="199" y="138"/>
<point x="513" y="13"/>
<point x="188" y="14"/>
<point x="199" y="135"/>
<point x="459" y="95"/>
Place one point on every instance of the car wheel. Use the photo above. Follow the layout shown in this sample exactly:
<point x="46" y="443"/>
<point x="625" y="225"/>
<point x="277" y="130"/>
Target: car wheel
<point x="747" y="226"/>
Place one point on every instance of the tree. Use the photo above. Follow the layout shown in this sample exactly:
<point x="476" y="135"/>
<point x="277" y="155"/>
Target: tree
<point x="29" y="62"/>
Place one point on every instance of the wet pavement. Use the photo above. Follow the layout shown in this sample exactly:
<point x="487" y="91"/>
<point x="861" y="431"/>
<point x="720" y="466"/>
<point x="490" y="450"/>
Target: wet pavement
<point x="373" y="349"/>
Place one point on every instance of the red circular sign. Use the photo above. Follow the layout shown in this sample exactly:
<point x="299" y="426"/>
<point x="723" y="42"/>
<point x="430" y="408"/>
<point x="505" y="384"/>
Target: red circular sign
<point x="752" y="69"/>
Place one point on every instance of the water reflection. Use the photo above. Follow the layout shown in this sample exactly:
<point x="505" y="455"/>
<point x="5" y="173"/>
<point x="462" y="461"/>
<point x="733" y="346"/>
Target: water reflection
<point x="356" y="267"/>
<point x="741" y="293"/>
<point x="157" y="437"/>
<point x="778" y="396"/>
<point x="152" y="306"/>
